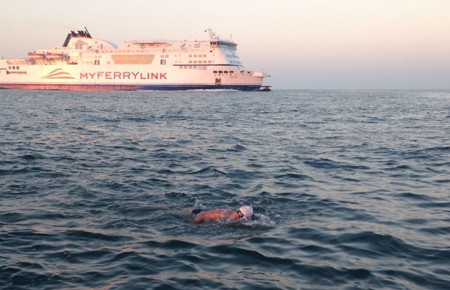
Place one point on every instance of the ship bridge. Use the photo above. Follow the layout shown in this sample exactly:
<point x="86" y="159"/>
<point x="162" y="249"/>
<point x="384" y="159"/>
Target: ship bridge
<point x="216" y="41"/>
<point x="223" y="43"/>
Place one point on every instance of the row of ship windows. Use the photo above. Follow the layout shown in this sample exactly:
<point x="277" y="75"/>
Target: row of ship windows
<point x="142" y="51"/>
<point x="200" y="61"/>
<point x="190" y="55"/>
<point x="231" y="72"/>
<point x="192" y="67"/>
<point x="162" y="56"/>
<point x="162" y="62"/>
<point x="223" y="72"/>
<point x="167" y="56"/>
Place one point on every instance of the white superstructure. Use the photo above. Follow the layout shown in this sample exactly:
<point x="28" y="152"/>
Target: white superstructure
<point x="86" y="63"/>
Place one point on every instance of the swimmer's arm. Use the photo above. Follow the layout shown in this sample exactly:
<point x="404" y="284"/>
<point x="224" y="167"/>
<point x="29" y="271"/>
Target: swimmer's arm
<point x="212" y="215"/>
<point x="199" y="218"/>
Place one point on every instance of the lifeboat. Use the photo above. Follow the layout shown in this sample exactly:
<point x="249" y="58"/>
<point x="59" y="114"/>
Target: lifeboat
<point x="52" y="55"/>
<point x="35" y="55"/>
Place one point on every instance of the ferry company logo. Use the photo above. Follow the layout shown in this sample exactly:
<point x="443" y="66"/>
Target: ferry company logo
<point x="58" y="74"/>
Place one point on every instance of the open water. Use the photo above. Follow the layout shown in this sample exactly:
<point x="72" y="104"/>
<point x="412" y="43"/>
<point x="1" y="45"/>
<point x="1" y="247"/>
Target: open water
<point x="350" y="189"/>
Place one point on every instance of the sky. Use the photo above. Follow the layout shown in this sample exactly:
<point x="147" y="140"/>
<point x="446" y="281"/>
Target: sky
<point x="302" y="44"/>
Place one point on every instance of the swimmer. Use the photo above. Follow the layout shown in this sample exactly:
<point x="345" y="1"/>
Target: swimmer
<point x="214" y="215"/>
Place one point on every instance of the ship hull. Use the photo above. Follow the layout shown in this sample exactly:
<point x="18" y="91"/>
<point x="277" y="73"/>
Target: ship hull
<point x="126" y="78"/>
<point x="77" y="87"/>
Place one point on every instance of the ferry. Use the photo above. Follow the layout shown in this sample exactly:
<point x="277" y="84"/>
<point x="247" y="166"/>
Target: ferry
<point x="87" y="63"/>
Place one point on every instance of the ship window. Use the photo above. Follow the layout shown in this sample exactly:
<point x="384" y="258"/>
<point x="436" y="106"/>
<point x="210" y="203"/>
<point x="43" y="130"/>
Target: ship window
<point x="18" y="67"/>
<point x="96" y="62"/>
<point x="163" y="62"/>
<point x="215" y="71"/>
<point x="220" y="71"/>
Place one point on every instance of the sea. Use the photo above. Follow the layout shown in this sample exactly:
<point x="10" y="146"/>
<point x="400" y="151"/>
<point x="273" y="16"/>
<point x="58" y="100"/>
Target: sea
<point x="350" y="189"/>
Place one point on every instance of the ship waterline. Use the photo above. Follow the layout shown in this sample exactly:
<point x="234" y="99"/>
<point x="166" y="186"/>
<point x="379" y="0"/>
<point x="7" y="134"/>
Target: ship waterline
<point x="86" y="63"/>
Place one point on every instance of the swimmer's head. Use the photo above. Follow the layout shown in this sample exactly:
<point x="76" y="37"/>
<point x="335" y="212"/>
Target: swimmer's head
<point x="246" y="211"/>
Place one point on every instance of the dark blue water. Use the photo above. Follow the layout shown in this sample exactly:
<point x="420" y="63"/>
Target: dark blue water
<point x="350" y="189"/>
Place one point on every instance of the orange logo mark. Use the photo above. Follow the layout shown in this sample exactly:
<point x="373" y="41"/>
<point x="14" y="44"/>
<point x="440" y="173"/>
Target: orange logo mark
<point x="58" y="74"/>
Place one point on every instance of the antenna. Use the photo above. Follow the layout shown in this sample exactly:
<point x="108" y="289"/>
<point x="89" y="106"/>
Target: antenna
<point x="212" y="35"/>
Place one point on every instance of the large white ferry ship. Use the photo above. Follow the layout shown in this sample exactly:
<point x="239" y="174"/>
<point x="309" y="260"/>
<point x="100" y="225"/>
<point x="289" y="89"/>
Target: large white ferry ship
<point x="87" y="63"/>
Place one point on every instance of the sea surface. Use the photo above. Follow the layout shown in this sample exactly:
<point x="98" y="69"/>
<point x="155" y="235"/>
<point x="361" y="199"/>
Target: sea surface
<point x="350" y="189"/>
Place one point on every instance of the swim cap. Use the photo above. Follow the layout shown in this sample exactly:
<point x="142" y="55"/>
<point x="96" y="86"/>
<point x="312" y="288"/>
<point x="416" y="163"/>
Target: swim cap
<point x="247" y="211"/>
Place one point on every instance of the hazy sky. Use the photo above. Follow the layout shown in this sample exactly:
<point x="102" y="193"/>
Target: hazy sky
<point x="344" y="44"/>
